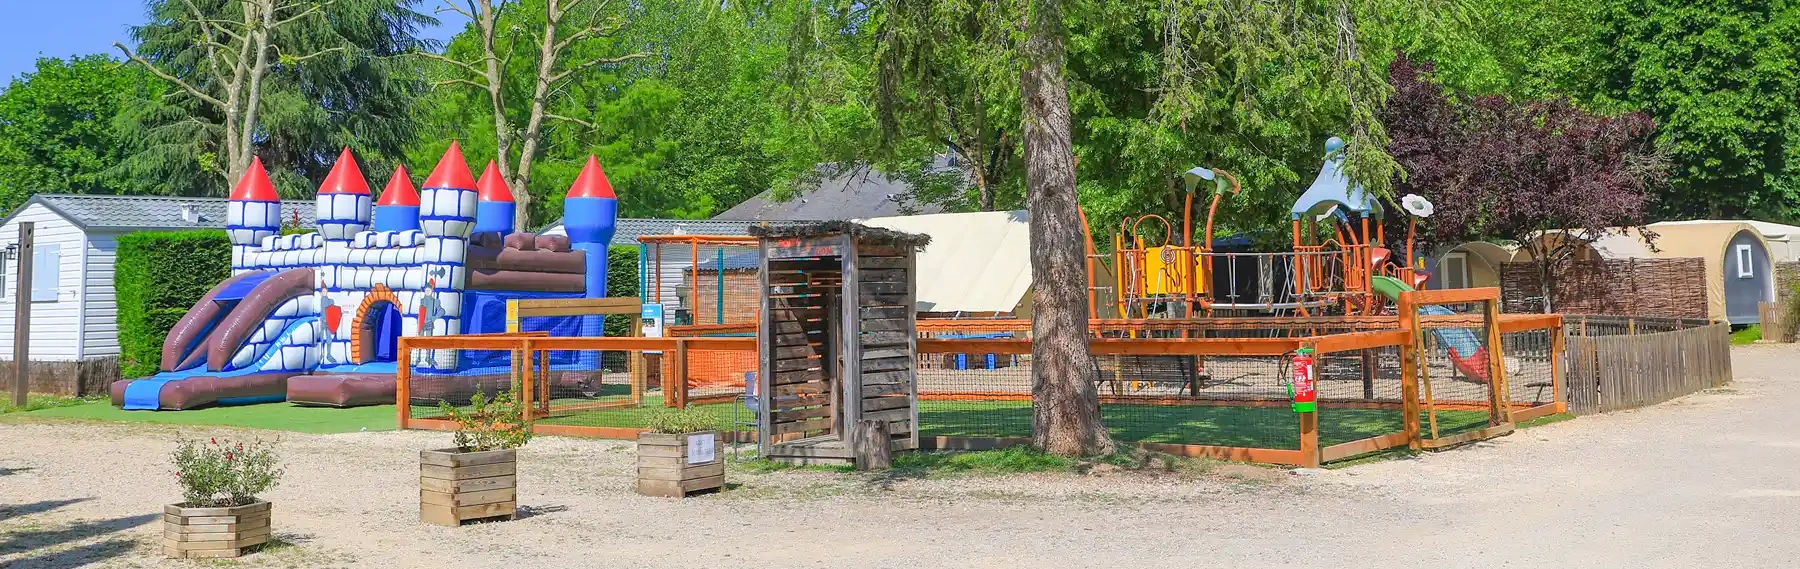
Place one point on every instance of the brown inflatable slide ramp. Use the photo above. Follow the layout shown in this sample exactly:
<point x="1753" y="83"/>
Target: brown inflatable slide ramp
<point x="346" y="390"/>
<point x="205" y="390"/>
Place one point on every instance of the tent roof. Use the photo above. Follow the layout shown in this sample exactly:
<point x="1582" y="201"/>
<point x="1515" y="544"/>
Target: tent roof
<point x="976" y="262"/>
<point x="1769" y="230"/>
<point x="1333" y="187"/>
<point x="1493" y="253"/>
<point x="1706" y="239"/>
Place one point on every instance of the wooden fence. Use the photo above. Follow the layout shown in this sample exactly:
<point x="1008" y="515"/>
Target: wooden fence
<point x="1776" y="326"/>
<point x="1612" y="373"/>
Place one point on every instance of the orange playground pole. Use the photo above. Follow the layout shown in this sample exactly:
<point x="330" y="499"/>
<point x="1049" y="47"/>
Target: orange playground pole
<point x="1088" y="235"/>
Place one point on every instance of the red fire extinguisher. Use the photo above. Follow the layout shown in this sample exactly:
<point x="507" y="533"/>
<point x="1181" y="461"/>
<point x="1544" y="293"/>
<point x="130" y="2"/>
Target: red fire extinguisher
<point x="1304" y="387"/>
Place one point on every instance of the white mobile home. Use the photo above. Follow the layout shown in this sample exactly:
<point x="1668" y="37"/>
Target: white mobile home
<point x="73" y="312"/>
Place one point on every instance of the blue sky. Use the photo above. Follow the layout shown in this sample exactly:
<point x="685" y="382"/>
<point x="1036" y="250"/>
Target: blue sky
<point x="59" y="28"/>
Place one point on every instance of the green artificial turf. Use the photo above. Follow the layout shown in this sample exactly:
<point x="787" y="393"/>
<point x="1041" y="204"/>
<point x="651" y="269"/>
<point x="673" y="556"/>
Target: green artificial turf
<point x="1256" y="427"/>
<point x="273" y="416"/>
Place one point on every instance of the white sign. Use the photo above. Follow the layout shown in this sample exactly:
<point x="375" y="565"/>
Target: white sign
<point x="650" y="320"/>
<point x="702" y="448"/>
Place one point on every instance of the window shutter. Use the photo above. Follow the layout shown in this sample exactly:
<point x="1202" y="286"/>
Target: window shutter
<point x="46" y="272"/>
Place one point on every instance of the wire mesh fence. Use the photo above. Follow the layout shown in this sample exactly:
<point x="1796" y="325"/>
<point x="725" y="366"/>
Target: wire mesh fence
<point x="976" y="381"/>
<point x="1360" y="394"/>
<point x="1237" y="401"/>
<point x="1457" y="377"/>
<point x="1530" y="366"/>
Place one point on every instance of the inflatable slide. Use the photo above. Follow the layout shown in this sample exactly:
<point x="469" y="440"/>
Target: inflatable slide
<point x="238" y="344"/>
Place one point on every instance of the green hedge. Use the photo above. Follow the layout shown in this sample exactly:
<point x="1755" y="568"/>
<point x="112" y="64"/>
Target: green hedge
<point x="158" y="277"/>
<point x="621" y="280"/>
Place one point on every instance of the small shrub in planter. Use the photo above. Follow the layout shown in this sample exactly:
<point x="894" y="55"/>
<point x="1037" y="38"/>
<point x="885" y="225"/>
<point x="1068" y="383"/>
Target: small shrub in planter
<point x="478" y="478"/>
<point x="220" y="515"/>
<point x="679" y="455"/>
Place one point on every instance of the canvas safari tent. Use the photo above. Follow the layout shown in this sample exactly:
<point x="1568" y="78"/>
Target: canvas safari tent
<point x="977" y="265"/>
<point x="1468" y="265"/>
<point x="1739" y="266"/>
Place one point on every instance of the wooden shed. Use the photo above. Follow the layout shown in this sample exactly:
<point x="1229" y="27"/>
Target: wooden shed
<point x="837" y="340"/>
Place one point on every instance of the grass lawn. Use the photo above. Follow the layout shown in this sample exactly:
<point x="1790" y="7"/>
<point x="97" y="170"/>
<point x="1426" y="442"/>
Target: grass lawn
<point x="1257" y="427"/>
<point x="273" y="416"/>
<point x="40" y="401"/>
<point x="1748" y="335"/>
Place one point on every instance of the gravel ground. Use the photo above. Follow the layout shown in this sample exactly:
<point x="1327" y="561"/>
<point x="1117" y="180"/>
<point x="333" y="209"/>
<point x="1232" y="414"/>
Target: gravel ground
<point x="1705" y="481"/>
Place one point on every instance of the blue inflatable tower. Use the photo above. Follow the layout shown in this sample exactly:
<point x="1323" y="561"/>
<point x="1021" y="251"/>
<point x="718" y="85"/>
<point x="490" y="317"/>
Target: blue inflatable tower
<point x="494" y="207"/>
<point x="590" y="212"/>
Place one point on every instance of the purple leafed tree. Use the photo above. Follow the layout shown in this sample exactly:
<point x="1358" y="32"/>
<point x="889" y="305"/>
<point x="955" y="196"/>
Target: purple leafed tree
<point x="1544" y="174"/>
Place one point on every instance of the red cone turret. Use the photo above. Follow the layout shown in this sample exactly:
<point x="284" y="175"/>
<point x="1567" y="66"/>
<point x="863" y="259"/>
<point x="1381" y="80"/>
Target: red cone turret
<point x="345" y="177"/>
<point x="255" y="185"/>
<point x="592" y="182"/>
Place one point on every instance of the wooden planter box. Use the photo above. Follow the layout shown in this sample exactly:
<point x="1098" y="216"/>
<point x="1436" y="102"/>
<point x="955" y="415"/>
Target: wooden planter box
<point x="667" y="468"/>
<point x="214" y="532"/>
<point x="455" y="486"/>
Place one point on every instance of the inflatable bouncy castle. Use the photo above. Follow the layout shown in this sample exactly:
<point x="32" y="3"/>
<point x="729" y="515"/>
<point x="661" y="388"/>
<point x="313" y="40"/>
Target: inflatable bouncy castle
<point x="315" y="318"/>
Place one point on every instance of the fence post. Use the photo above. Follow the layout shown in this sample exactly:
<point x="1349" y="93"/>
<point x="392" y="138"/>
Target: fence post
<point x="1559" y="358"/>
<point x="1499" y="391"/>
<point x="681" y="374"/>
<point x="1409" y="371"/>
<point x="403" y="383"/>
<point x="522" y="361"/>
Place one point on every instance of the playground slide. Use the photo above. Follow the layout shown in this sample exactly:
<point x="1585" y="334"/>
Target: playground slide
<point x="179" y="351"/>
<point x="239" y="344"/>
<point x="1466" y="352"/>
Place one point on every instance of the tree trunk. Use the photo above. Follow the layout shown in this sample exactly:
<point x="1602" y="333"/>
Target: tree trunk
<point x="245" y="147"/>
<point x="1065" y="405"/>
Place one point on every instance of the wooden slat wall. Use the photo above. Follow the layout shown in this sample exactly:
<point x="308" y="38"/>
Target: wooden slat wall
<point x="888" y="330"/>
<point x="801" y="382"/>
<point x="1613" y="373"/>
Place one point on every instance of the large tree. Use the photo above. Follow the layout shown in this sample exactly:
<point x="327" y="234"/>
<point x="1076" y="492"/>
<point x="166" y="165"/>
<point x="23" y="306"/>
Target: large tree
<point x="1544" y="174"/>
<point x="1141" y="91"/>
<point x="1065" y="404"/>
<point x="290" y="81"/>
<point x="57" y="133"/>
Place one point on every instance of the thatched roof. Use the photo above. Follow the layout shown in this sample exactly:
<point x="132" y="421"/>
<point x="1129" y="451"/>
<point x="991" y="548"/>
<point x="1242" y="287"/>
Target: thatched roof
<point x="862" y="233"/>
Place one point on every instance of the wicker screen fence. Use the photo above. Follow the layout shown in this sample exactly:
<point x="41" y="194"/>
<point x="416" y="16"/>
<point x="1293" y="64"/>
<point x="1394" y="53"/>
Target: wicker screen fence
<point x="1673" y="288"/>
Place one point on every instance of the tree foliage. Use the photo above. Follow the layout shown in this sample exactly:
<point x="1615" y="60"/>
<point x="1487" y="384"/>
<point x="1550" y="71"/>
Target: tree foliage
<point x="291" y="82"/>
<point x="1720" y="76"/>
<point x="1545" y="174"/>
<point x="570" y="37"/>
<point x="688" y="132"/>
<point x="57" y="133"/>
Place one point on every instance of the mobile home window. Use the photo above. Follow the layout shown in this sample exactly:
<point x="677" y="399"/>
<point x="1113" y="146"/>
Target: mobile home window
<point x="1746" y="264"/>
<point x="46" y="272"/>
